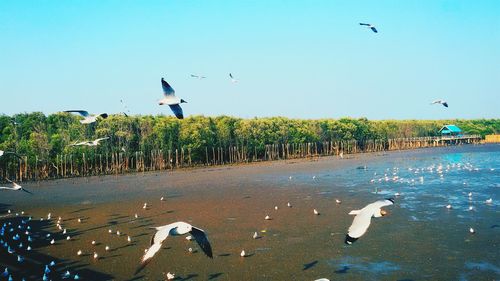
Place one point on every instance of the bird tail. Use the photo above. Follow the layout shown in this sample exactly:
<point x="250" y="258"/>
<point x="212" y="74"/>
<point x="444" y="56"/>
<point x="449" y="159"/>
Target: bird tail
<point x="349" y="240"/>
<point x="354" y="212"/>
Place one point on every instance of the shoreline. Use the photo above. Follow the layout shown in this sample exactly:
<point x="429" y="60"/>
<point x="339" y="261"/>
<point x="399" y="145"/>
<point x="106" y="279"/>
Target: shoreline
<point x="311" y="159"/>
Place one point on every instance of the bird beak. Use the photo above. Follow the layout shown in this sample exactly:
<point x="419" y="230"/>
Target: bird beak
<point x="383" y="212"/>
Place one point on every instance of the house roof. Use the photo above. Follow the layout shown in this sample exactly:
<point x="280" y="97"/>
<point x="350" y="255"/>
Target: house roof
<point x="450" y="128"/>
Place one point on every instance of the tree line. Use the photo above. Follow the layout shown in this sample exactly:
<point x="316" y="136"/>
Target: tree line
<point x="44" y="138"/>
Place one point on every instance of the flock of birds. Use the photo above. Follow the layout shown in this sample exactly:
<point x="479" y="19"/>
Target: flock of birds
<point x="23" y="231"/>
<point x="10" y="234"/>
<point x="18" y="239"/>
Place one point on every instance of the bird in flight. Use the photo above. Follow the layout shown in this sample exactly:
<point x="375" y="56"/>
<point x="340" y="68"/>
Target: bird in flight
<point x="15" y="187"/>
<point x="2" y="153"/>
<point x="95" y="142"/>
<point x="88" y="118"/>
<point x="444" y="103"/>
<point x="372" y="27"/>
<point x="175" y="229"/>
<point x="234" y="80"/>
<point x="363" y="218"/>
<point x="198" y="76"/>
<point x="171" y="100"/>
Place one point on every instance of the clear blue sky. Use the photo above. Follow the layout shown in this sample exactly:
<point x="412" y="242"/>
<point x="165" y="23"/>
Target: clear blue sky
<point x="300" y="59"/>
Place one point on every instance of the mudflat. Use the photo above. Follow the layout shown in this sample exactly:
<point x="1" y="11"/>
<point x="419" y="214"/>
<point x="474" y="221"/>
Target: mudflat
<point x="230" y="204"/>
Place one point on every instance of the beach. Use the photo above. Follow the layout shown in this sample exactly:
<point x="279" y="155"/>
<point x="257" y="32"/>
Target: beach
<point x="230" y="203"/>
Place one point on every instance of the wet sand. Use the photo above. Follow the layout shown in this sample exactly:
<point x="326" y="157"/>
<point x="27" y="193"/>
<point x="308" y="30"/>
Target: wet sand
<point x="230" y="204"/>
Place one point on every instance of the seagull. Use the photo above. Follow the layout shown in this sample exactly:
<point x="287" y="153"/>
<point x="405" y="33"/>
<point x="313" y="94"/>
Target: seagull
<point x="234" y="80"/>
<point x="170" y="276"/>
<point x="171" y="100"/>
<point x="363" y="217"/>
<point x="372" y="27"/>
<point x="95" y="142"/>
<point x="198" y="76"/>
<point x="15" y="187"/>
<point x="2" y="153"/>
<point x="444" y="103"/>
<point x="88" y="118"/>
<point x="175" y="229"/>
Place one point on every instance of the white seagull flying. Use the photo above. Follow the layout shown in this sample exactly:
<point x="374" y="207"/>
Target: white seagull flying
<point x="90" y="143"/>
<point x="88" y="118"/>
<point x="175" y="229"/>
<point x="171" y="100"/>
<point x="363" y="218"/>
<point x="372" y="27"/>
<point x="198" y="76"/>
<point x="234" y="80"/>
<point x="444" y="103"/>
<point x="15" y="187"/>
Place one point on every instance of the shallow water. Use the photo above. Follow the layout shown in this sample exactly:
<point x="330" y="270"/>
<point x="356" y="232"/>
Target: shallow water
<point x="420" y="239"/>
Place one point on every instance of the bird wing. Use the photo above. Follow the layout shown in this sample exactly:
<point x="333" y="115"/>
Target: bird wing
<point x="168" y="91"/>
<point x="103" y="115"/>
<point x="100" y="139"/>
<point x="176" y="108"/>
<point x="230" y="75"/>
<point x="373" y="207"/>
<point x="360" y="224"/>
<point x="27" y="191"/>
<point x="362" y="220"/>
<point x="156" y="242"/>
<point x="365" y="24"/>
<point x="81" y="112"/>
<point x="373" y="29"/>
<point x="202" y="240"/>
<point x="194" y="76"/>
<point x="445" y="104"/>
<point x="161" y="234"/>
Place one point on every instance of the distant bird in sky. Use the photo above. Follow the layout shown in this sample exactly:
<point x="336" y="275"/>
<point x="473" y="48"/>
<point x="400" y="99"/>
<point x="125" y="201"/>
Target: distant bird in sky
<point x="2" y="153"/>
<point x="363" y="218"/>
<point x="372" y="27"/>
<point x="444" y="103"/>
<point x="234" y="80"/>
<point x="15" y="187"/>
<point x="88" y="118"/>
<point x="198" y="76"/>
<point x="126" y="111"/>
<point x="175" y="229"/>
<point x="95" y="142"/>
<point x="171" y="100"/>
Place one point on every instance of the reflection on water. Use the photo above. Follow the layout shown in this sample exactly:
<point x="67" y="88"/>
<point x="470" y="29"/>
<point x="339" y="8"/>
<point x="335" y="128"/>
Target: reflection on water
<point x="421" y="239"/>
<point x="428" y="239"/>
